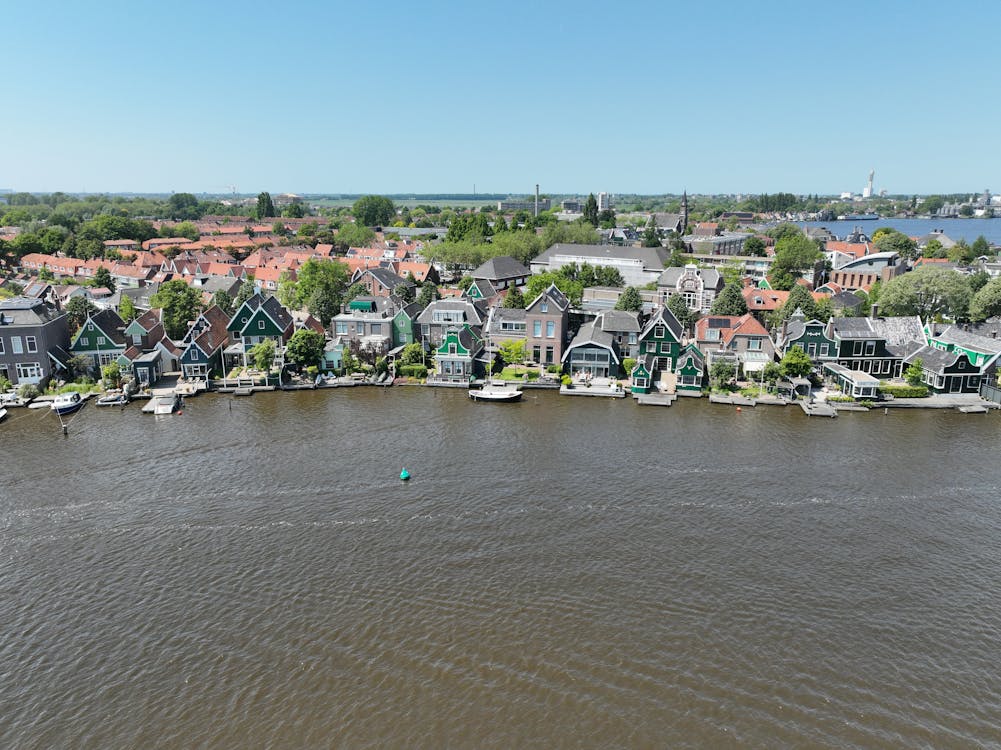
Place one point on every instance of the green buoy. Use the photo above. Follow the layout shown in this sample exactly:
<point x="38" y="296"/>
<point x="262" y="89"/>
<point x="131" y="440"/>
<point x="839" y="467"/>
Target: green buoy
<point x="404" y="475"/>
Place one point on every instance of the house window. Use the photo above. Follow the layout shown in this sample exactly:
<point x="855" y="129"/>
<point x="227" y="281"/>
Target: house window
<point x="537" y="328"/>
<point x="137" y="339"/>
<point x="101" y="341"/>
<point x="260" y="324"/>
<point x="544" y="307"/>
<point x="857" y="348"/>
<point x="549" y="355"/>
<point x="754" y="345"/>
<point x="823" y="350"/>
<point x="550" y="329"/>
<point x="106" y="358"/>
<point x="375" y="328"/>
<point x="28" y="370"/>
<point x="870" y="348"/>
<point x="812" y="350"/>
<point x="632" y="338"/>
<point x="658" y="332"/>
<point x="341" y="328"/>
<point x="451" y="348"/>
<point x="31" y="343"/>
<point x="712" y="334"/>
<point x="665" y="348"/>
<point x="15" y="345"/>
<point x="1" y="347"/>
<point x="536" y="353"/>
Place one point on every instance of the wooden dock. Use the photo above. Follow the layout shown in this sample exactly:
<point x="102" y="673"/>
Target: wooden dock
<point x="818" y="409"/>
<point x="655" y="399"/>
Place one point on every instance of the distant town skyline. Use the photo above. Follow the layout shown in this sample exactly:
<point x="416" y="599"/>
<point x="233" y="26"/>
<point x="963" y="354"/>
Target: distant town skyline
<point x="644" y="98"/>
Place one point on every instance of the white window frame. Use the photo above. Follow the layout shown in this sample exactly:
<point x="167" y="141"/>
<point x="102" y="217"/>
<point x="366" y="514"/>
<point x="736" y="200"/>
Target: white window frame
<point x="31" y="344"/>
<point x="16" y="347"/>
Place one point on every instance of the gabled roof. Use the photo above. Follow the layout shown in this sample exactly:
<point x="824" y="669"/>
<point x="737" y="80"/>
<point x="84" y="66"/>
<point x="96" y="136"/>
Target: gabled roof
<point x="474" y="311"/>
<point x="500" y="268"/>
<point x="590" y="335"/>
<point x="895" y="331"/>
<point x="149" y="319"/>
<point x="663" y="316"/>
<point x="935" y="360"/>
<point x="27" y="311"/>
<point x="110" y="324"/>
<point x="729" y="327"/>
<point x="384" y="276"/>
<point x="617" y="321"/>
<point x="968" y="340"/>
<point x="554" y="295"/>
<point x="484" y="287"/>
<point x="277" y="312"/>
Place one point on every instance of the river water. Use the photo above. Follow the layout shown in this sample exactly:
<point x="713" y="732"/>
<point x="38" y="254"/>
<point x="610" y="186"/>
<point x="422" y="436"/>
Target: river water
<point x="955" y="229"/>
<point x="558" y="573"/>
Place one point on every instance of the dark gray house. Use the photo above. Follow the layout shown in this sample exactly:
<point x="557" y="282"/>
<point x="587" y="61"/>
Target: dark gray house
<point x="34" y="339"/>
<point x="502" y="272"/>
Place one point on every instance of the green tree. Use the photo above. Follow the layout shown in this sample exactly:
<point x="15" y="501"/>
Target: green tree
<point x="353" y="235"/>
<point x="429" y="293"/>
<point x="224" y="302"/>
<point x="928" y="292"/>
<point x="771" y="372"/>
<point x="78" y="309"/>
<point x="246" y="292"/>
<point x="305" y="348"/>
<point x="373" y="210"/>
<point x="265" y="206"/>
<point x="722" y="373"/>
<point x="465" y="282"/>
<point x="890" y="240"/>
<point x="796" y="363"/>
<point x="784" y="231"/>
<point x="961" y="253"/>
<point x="111" y="373"/>
<point x="730" y="301"/>
<point x="185" y="229"/>
<point x="801" y="299"/>
<point x="606" y="220"/>
<point x="262" y="355"/>
<point x="932" y="204"/>
<point x="986" y="302"/>
<point x="591" y="210"/>
<point x="315" y="273"/>
<point x="127" y="309"/>
<point x="981" y="247"/>
<point x="180" y="304"/>
<point x="650" y="236"/>
<point x="754" y="246"/>
<point x="794" y="254"/>
<point x="514" y="299"/>
<point x="978" y="280"/>
<point x="539" y="282"/>
<point x="412" y="354"/>
<point x="183" y="206"/>
<point x="512" y="352"/>
<point x="629" y="300"/>
<point x="325" y="303"/>
<point x="102" y="277"/>
<point x="294" y="211"/>
<point x="80" y="365"/>
<point x="404" y="292"/>
<point x="914" y="373"/>
<point x="686" y="316"/>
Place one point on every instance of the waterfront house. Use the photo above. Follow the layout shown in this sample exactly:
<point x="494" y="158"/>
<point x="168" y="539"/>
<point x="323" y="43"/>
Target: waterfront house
<point x="690" y="369"/>
<point x="202" y="351"/>
<point x="624" y="326"/>
<point x="458" y="357"/>
<point x="504" y="324"/>
<point x="502" y="272"/>
<point x="145" y="330"/>
<point x="405" y="327"/>
<point x="547" y="323"/>
<point x="593" y="353"/>
<point x="445" y="314"/>
<point x="808" y="335"/>
<point x="33" y="340"/>
<point x="368" y="323"/>
<point x="875" y="345"/>
<point x="659" y="346"/>
<point x="741" y="340"/>
<point x="257" y="320"/>
<point x="101" y="337"/>
<point x="950" y="371"/>
<point x="697" y="286"/>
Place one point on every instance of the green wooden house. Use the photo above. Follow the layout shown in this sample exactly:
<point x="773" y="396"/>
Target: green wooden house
<point x="642" y="374"/>
<point x="101" y="337"/>
<point x="456" y="357"/>
<point x="691" y="369"/>
<point x="405" y="327"/>
<point x="659" y="345"/>
<point x="809" y="335"/>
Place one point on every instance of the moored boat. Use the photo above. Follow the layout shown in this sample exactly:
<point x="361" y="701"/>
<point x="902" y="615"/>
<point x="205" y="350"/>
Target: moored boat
<point x="113" y="399"/>
<point x="3" y="414"/>
<point x="67" y="403"/>
<point x="501" y="392"/>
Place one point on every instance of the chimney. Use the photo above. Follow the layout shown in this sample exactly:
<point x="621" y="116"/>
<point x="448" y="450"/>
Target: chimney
<point x="536" y="199"/>
<point x="874" y="311"/>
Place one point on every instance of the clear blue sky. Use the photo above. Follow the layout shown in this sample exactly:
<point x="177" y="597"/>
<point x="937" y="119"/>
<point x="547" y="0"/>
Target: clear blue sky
<point x="642" y="97"/>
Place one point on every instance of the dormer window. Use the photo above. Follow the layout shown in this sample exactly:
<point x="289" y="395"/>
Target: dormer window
<point x="260" y="324"/>
<point x="544" y="307"/>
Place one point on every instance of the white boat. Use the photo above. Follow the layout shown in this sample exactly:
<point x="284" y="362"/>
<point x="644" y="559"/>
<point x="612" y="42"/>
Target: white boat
<point x="3" y="414"/>
<point x="495" y="391"/>
<point x="67" y="403"/>
<point x="113" y="399"/>
<point x="166" y="404"/>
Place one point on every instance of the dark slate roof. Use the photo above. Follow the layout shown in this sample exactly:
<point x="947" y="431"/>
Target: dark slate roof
<point x="667" y="318"/>
<point x="387" y="278"/>
<point x="487" y="289"/>
<point x="110" y="324"/>
<point x="895" y="331"/>
<point x="557" y="297"/>
<point x="510" y="314"/>
<point x="475" y="311"/>
<point x="969" y="340"/>
<point x="990" y="328"/>
<point x="619" y="320"/>
<point x="652" y="257"/>
<point x="845" y="301"/>
<point x="26" y="311"/>
<point x="501" y="268"/>
<point x="277" y="312"/>
<point x="933" y="359"/>
<point x="590" y="335"/>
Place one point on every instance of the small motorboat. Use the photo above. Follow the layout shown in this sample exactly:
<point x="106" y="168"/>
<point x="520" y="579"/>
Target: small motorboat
<point x="405" y="475"/>
<point x="67" y="403"/>
<point x="166" y="405"/>
<point x="3" y="414"/>
<point x="496" y="392"/>
<point x="113" y="399"/>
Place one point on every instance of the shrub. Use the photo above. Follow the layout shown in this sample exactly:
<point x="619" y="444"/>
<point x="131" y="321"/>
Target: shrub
<point x="628" y="364"/>
<point x="554" y="368"/>
<point x="566" y="380"/>
<point x="904" y="391"/>
<point x="28" y="391"/>
<point x="531" y="375"/>
<point x="414" y="371"/>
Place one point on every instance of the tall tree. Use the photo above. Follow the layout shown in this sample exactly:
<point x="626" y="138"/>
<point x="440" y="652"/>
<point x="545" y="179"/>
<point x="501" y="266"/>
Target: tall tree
<point x="77" y="311"/>
<point x="685" y="315"/>
<point x="591" y="210"/>
<point x="223" y="301"/>
<point x="265" y="206"/>
<point x="180" y="304"/>
<point x="102" y="277"/>
<point x="629" y="300"/>
<point x="127" y="309"/>
<point x="730" y="301"/>
<point x="514" y="299"/>
<point x="987" y="301"/>
<point x="245" y="293"/>
<point x="650" y="236"/>
<point x="796" y="363"/>
<point x="927" y="291"/>
<point x="754" y="246"/>
<point x="373" y="210"/>
<point x="794" y="254"/>
<point x="305" y="348"/>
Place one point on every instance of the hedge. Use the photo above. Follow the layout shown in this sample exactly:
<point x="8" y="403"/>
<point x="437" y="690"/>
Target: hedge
<point x="413" y="371"/>
<point x="904" y="391"/>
